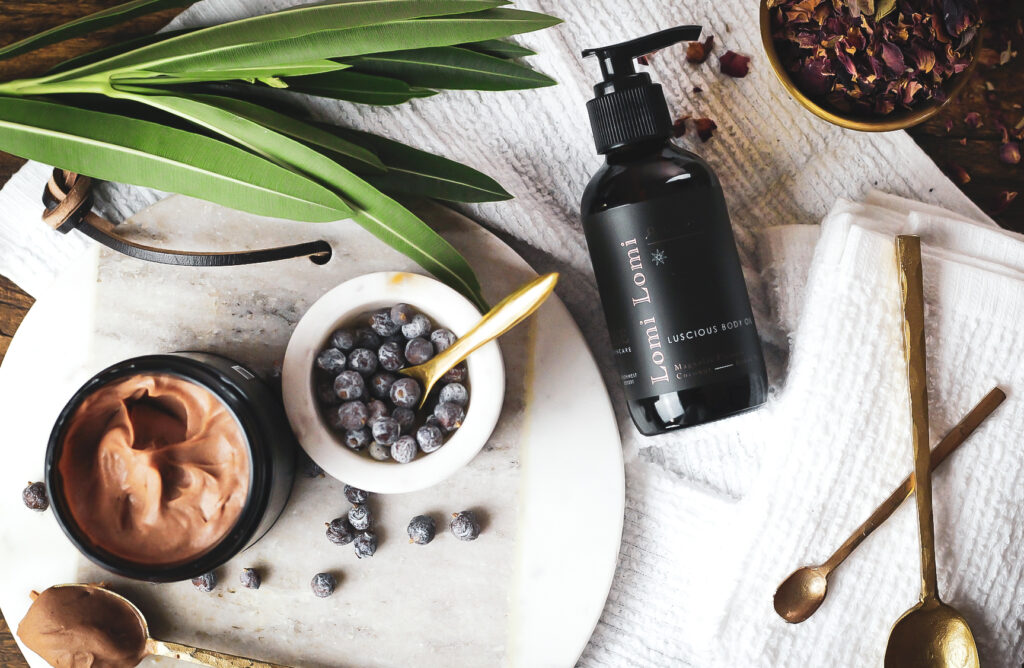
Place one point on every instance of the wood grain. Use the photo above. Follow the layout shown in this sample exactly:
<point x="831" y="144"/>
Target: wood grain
<point x="974" y="149"/>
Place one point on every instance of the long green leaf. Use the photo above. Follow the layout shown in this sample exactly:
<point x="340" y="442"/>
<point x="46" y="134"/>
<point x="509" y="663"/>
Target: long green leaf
<point x="422" y="174"/>
<point x="117" y="148"/>
<point x="451" y="67"/>
<point x="356" y="156"/>
<point x="146" y="78"/>
<point x="499" y="48"/>
<point x="381" y="215"/>
<point x="357" y="87"/>
<point x="87" y="24"/>
<point x="115" y="49"/>
<point x="300" y="23"/>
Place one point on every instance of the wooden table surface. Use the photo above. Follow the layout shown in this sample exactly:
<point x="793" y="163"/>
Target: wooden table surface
<point x="994" y="93"/>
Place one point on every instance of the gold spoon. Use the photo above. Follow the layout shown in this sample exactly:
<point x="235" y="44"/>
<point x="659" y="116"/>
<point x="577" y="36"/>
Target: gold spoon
<point x="800" y="595"/>
<point x="508" y="313"/>
<point x="931" y="634"/>
<point x="137" y="641"/>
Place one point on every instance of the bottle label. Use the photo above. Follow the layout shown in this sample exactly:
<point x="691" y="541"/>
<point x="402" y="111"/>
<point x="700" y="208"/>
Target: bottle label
<point x="673" y="293"/>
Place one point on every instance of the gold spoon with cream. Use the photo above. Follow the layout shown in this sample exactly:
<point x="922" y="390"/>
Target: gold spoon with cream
<point x="508" y="313"/>
<point x="84" y="624"/>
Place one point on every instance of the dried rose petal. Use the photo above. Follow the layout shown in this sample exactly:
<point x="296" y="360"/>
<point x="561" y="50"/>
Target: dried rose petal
<point x="1010" y="153"/>
<point x="973" y="120"/>
<point x="1003" y="201"/>
<point x="958" y="173"/>
<point x="734" y="64"/>
<point x="679" y="126"/>
<point x="705" y="128"/>
<point x="893" y="58"/>
<point x="698" y="52"/>
<point x="949" y="125"/>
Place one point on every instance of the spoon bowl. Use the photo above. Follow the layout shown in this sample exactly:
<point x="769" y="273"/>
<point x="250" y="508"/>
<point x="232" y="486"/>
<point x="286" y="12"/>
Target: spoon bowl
<point x="125" y="632"/>
<point x="931" y="635"/>
<point x="801" y="594"/>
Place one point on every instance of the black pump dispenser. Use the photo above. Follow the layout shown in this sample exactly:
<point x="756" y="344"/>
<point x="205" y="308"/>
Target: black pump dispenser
<point x="629" y="108"/>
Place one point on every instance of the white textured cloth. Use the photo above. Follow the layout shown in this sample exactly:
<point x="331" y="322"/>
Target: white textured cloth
<point x="765" y="492"/>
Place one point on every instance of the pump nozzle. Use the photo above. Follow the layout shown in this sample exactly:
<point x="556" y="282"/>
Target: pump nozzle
<point x="617" y="60"/>
<point x="628" y="107"/>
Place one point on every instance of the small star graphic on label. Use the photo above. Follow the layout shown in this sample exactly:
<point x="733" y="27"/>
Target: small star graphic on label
<point x="659" y="257"/>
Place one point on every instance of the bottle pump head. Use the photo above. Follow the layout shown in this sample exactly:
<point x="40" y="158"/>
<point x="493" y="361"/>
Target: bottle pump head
<point x="629" y="108"/>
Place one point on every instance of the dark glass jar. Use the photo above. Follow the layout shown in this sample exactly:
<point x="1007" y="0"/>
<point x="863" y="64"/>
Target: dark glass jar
<point x="670" y="201"/>
<point x="268" y="438"/>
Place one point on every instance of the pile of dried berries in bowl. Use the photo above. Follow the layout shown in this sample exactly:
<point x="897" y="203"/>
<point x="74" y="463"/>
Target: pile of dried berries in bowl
<point x="365" y="400"/>
<point x="871" y="58"/>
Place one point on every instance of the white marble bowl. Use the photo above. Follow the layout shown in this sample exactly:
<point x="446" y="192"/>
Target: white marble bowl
<point x="446" y="308"/>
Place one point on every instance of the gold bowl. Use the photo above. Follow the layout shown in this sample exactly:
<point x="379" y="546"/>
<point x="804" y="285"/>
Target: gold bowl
<point x="898" y="120"/>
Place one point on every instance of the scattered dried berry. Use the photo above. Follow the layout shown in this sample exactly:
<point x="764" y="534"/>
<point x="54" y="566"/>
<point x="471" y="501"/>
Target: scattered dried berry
<point x="352" y="415"/>
<point x="422" y="529"/>
<point x="34" y="496"/>
<point x="402" y="313"/>
<point x="464" y="525"/>
<point x="405" y="417"/>
<point x="404" y="450"/>
<point x="456" y="374"/>
<point x="380" y="384"/>
<point x="376" y="409"/>
<point x="359" y="517"/>
<point x="367" y="338"/>
<point x="418" y="350"/>
<point x="205" y="582"/>
<point x="455" y="393"/>
<point x="449" y="416"/>
<point x="379" y="452"/>
<point x="250" y="579"/>
<point x="343" y="339"/>
<point x="406" y="392"/>
<point x="382" y="324"/>
<point x="365" y="544"/>
<point x="323" y="585"/>
<point x="734" y="64"/>
<point x="385" y="430"/>
<point x="705" y="128"/>
<point x="340" y="531"/>
<point x="355" y="495"/>
<point x="429" y="437"/>
<point x="418" y="327"/>
<point x="698" y="52"/>
<point x="442" y="339"/>
<point x="390" y="356"/>
<point x="357" y="439"/>
<point x="349" y="385"/>
<point x="363" y="361"/>
<point x="331" y="361"/>
<point x="698" y="89"/>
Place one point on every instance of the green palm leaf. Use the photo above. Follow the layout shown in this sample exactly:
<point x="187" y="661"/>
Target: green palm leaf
<point x="147" y="78"/>
<point x="451" y="67"/>
<point x="411" y="171"/>
<point x="116" y="49"/>
<point x="499" y="48"/>
<point x="357" y="87"/>
<point x="379" y="214"/>
<point x="86" y="24"/>
<point x="117" y="148"/>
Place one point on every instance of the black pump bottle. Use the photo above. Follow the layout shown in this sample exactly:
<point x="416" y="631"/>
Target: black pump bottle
<point x="665" y="258"/>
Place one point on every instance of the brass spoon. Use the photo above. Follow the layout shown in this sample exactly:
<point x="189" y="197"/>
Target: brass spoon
<point x="931" y="634"/>
<point x="800" y="595"/>
<point x="140" y="638"/>
<point x="508" y="313"/>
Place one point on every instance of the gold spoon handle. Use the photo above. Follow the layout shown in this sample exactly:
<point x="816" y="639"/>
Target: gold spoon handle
<point x="949" y="443"/>
<point x="204" y="657"/>
<point x="908" y="259"/>
<point x="508" y="313"/>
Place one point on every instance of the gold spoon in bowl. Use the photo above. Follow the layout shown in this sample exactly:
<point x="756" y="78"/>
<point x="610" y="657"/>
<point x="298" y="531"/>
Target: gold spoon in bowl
<point x="931" y="634"/>
<point x="112" y="626"/>
<point x="803" y="592"/>
<point x="508" y="313"/>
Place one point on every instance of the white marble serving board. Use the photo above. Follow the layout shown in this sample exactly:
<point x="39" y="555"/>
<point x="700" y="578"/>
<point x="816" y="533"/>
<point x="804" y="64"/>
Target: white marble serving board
<point x="549" y="484"/>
